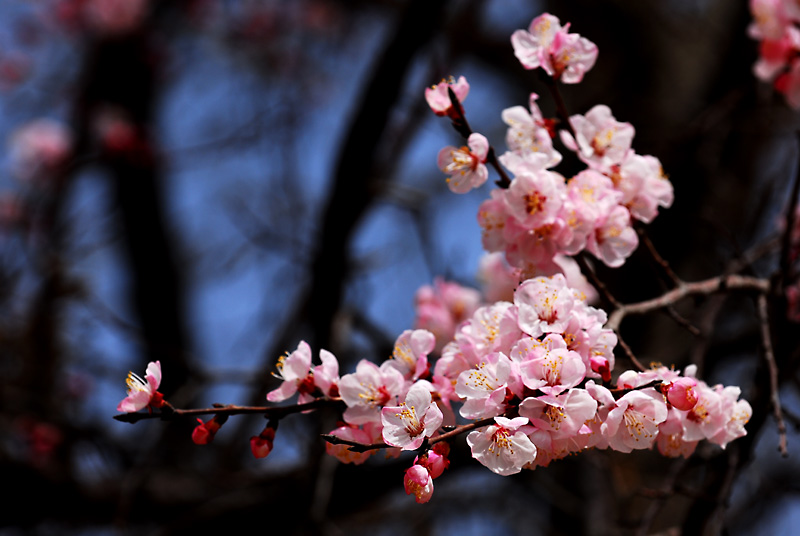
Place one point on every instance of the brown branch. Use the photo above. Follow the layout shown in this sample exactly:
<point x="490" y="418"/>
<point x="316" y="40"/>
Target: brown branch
<point x="769" y="357"/>
<point x="461" y="124"/>
<point x="361" y="447"/>
<point x="656" y="256"/>
<point x="698" y="288"/>
<point x="277" y="412"/>
<point x="599" y="285"/>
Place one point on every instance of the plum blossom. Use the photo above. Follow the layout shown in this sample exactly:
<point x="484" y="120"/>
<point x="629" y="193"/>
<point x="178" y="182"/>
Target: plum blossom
<point x="546" y="44"/>
<point x="600" y="140"/>
<point x="439" y="99"/>
<point x="368" y="390"/>
<point x="294" y="369"/>
<point x="529" y="135"/>
<point x="466" y="166"/>
<point x="407" y="425"/>
<point x="440" y="308"/>
<point x="633" y="423"/>
<point x="503" y="447"/>
<point x="143" y="393"/>
<point x="345" y="454"/>
<point x="410" y="354"/>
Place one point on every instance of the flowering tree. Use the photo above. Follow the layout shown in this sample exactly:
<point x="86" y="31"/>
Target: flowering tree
<point x="545" y="374"/>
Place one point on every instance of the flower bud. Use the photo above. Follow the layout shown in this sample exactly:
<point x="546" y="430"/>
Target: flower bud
<point x="204" y="432"/>
<point x="262" y="444"/>
<point x="419" y="482"/>
<point x="681" y="393"/>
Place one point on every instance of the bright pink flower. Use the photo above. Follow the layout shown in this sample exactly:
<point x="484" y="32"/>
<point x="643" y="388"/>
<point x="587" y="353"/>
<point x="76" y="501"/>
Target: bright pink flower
<point x="466" y="166"/>
<point x="546" y="44"/>
<point x="439" y="99"/>
<point x="503" y="447"/>
<point x="418" y="482"/>
<point x="407" y="425"/>
<point x="681" y="393"/>
<point x="143" y="393"/>
<point x="435" y="460"/>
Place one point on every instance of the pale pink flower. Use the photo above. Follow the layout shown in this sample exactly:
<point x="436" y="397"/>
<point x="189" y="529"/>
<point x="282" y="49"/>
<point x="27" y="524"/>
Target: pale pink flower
<point x="562" y="416"/>
<point x="407" y="425"/>
<point x="770" y="19"/>
<point x="295" y="372"/>
<point x="534" y="198"/>
<point x="326" y="375"/>
<point x="670" y="437"/>
<point x="552" y="370"/>
<point x="438" y="98"/>
<point x="643" y="185"/>
<point x="368" y="390"/>
<point x="546" y="44"/>
<point x="545" y="305"/>
<point x="633" y="423"/>
<point x="613" y="239"/>
<point x="706" y="418"/>
<point x="503" y="447"/>
<point x="736" y="414"/>
<point x="492" y="328"/>
<point x="529" y="137"/>
<point x="466" y="166"/>
<point x="410" y="353"/>
<point x="484" y="387"/>
<point x="600" y="140"/>
<point x="143" y="393"/>
<point x="418" y="482"/>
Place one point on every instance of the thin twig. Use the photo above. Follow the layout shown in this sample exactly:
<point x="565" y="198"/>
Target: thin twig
<point x="705" y="287"/>
<point x="461" y="125"/>
<point x="769" y="357"/>
<point x="277" y="412"/>
<point x="657" y="258"/>
<point x="599" y="285"/>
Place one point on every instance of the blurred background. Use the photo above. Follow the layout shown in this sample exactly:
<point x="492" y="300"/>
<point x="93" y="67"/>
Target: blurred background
<point x="207" y="182"/>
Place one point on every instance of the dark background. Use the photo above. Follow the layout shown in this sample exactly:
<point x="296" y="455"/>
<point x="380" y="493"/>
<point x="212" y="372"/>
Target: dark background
<point x="279" y="183"/>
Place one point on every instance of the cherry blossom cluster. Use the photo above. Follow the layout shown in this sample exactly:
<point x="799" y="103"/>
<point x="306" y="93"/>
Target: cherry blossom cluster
<point x="524" y="369"/>
<point x="775" y="26"/>
<point x="541" y="215"/>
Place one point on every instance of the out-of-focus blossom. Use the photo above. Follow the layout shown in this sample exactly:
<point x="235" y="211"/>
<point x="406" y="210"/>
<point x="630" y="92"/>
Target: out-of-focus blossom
<point x="466" y="166"/>
<point x="439" y="99"/>
<point x="39" y="149"/>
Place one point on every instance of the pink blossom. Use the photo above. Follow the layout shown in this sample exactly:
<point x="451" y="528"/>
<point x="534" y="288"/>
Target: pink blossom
<point x="529" y="136"/>
<point x="143" y="393"/>
<point x="534" y="198"/>
<point x="545" y="305"/>
<point x="600" y="140"/>
<point x="705" y="419"/>
<point x="326" y="375"/>
<point x="407" y="425"/>
<point x="492" y="328"/>
<point x="633" y="422"/>
<point x="466" y="166"/>
<point x="503" y="447"/>
<point x="498" y="279"/>
<point x="368" y="390"/>
<point x="562" y="416"/>
<point x="418" y="482"/>
<point x="736" y="413"/>
<point x="613" y="239"/>
<point x="670" y="437"/>
<point x="484" y="387"/>
<point x="546" y="44"/>
<point x="643" y="185"/>
<point x="410" y="354"/>
<point x="116" y="16"/>
<point x="435" y="460"/>
<point x="551" y="368"/>
<point x="439" y="99"/>
<point x="295" y="371"/>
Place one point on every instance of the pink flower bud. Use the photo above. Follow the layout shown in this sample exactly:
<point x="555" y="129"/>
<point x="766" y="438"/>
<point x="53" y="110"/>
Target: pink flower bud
<point x="419" y="482"/>
<point x="600" y="366"/>
<point x="204" y="433"/>
<point x="262" y="444"/>
<point x="681" y="393"/>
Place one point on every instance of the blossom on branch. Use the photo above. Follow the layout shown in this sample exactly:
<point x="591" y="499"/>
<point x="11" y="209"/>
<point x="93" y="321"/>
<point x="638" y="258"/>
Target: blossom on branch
<point x="466" y="166"/>
<point x="143" y="393"/>
<point x="407" y="425"/>
<point x="439" y="98"/>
